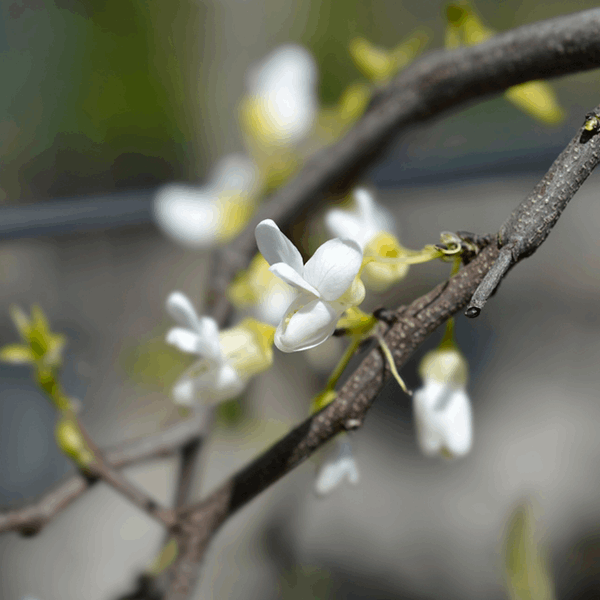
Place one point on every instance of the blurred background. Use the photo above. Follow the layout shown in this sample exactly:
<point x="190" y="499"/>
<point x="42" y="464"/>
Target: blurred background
<point x="102" y="103"/>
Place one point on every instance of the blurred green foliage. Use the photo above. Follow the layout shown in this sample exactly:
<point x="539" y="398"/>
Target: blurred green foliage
<point x="94" y="96"/>
<point x="100" y="95"/>
<point x="526" y="568"/>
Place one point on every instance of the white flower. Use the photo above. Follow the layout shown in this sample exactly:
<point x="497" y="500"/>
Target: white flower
<point x="260" y="291"/>
<point x="283" y="95"/>
<point x="368" y="220"/>
<point x="339" y="465"/>
<point x="442" y="407"/>
<point x="372" y="226"/>
<point x="198" y="217"/>
<point x="327" y="285"/>
<point x="228" y="359"/>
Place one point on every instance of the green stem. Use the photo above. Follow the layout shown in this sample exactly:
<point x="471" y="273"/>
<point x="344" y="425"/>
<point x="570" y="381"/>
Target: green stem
<point x="343" y="363"/>
<point x="448" y="339"/>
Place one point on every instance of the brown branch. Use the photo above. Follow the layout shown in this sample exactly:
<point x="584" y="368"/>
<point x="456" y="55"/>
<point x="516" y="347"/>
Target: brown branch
<point x="30" y="518"/>
<point x="527" y="225"/>
<point x="100" y="468"/>
<point x="436" y="82"/>
<point x="531" y="222"/>
<point x="415" y="323"/>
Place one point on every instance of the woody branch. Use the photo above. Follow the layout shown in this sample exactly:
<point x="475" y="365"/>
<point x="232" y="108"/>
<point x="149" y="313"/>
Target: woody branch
<point x="411" y="326"/>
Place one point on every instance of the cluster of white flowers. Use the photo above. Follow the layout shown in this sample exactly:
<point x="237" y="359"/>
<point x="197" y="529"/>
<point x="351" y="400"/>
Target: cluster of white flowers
<point x="299" y="305"/>
<point x="227" y="359"/>
<point x="280" y="109"/>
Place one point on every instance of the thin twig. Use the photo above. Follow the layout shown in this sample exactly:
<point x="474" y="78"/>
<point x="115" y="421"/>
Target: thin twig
<point x="531" y="222"/>
<point x="411" y="327"/>
<point x="103" y="470"/>
<point x="30" y="518"/>
<point x="431" y="85"/>
<point x="415" y="323"/>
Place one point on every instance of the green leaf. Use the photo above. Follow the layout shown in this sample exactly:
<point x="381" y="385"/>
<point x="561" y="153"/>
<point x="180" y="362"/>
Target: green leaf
<point x="21" y="321"/>
<point x="17" y="354"/>
<point x="526" y="569"/>
<point x="537" y="98"/>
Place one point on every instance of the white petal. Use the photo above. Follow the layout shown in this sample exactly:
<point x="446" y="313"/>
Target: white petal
<point x="207" y="383"/>
<point x="333" y="267"/>
<point x="276" y="247"/>
<point x="286" y="83"/>
<point x="335" y="470"/>
<point x="182" y="310"/>
<point x="234" y="173"/>
<point x="345" y="224"/>
<point x="183" y="392"/>
<point x="184" y="340"/>
<point x="458" y="424"/>
<point x="274" y="304"/>
<point x="208" y="332"/>
<point x="375" y="217"/>
<point x="205" y="328"/>
<point x="443" y="419"/>
<point x="228" y="384"/>
<point x="293" y="278"/>
<point x="305" y="325"/>
<point x="363" y="223"/>
<point x="188" y="215"/>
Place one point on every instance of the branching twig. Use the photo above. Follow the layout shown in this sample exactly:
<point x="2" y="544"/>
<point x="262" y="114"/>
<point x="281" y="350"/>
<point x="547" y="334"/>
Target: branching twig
<point x="433" y="84"/>
<point x="531" y="222"/>
<point x="354" y="399"/>
<point x="32" y="517"/>
<point x="413" y="325"/>
<point x="99" y="468"/>
<point x="436" y="82"/>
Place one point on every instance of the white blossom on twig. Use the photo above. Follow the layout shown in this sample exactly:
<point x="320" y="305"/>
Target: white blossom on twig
<point x="327" y="285"/>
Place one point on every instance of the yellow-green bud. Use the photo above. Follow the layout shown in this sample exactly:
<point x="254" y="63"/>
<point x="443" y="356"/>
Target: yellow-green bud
<point x="70" y="440"/>
<point x="446" y="365"/>
<point x="248" y="347"/>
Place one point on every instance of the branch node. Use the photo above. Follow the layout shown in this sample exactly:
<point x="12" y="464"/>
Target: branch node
<point x="352" y="424"/>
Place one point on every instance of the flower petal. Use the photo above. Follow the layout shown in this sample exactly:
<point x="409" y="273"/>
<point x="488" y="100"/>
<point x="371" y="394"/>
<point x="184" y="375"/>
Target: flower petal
<point x="459" y="426"/>
<point x="285" y="84"/>
<point x="376" y="217"/>
<point x="207" y="384"/>
<point x="293" y="278"/>
<point x="276" y="247"/>
<point x="190" y="216"/>
<point x="307" y="323"/>
<point x="208" y="332"/>
<point x="234" y="173"/>
<point x="346" y="224"/>
<point x="228" y="384"/>
<point x="182" y="310"/>
<point x="184" y="340"/>
<point x="273" y="305"/>
<point x="205" y="329"/>
<point x="337" y="468"/>
<point x="363" y="223"/>
<point x="333" y="267"/>
<point x="183" y="392"/>
<point x="443" y="419"/>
